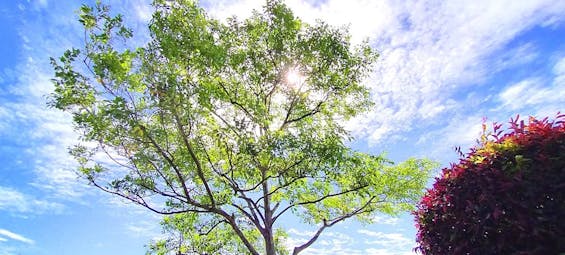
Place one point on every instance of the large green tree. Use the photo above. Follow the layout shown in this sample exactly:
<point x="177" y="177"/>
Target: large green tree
<point x="227" y="126"/>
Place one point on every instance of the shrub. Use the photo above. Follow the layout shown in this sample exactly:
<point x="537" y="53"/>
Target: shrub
<point x="506" y="196"/>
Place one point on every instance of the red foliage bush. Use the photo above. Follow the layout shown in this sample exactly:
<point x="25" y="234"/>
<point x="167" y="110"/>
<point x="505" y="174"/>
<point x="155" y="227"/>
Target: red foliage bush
<point x="507" y="196"/>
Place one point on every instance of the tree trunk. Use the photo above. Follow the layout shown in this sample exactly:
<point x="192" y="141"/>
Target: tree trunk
<point x="268" y="233"/>
<point x="269" y="242"/>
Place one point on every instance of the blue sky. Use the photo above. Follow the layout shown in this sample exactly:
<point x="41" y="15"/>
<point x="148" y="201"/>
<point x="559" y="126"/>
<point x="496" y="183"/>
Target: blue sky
<point x="445" y="65"/>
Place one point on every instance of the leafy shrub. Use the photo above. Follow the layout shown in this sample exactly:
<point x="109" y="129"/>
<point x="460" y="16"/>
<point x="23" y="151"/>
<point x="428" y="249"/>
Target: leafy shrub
<point x="507" y="196"/>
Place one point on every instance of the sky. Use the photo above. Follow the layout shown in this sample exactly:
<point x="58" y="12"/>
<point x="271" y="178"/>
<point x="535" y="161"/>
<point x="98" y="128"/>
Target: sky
<point x="445" y="66"/>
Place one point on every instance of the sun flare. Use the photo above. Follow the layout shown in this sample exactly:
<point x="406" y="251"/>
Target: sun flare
<point x="294" y="78"/>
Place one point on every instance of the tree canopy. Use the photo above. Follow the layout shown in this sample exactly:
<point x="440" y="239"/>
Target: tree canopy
<point x="226" y="126"/>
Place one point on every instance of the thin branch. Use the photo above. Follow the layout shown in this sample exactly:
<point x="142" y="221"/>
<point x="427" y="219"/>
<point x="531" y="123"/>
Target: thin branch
<point x="233" y="102"/>
<point x="234" y="129"/>
<point x="318" y="200"/>
<point x="194" y="158"/>
<point x="296" y="163"/>
<point x="288" y="112"/>
<point x="330" y="223"/>
<point x="310" y="113"/>
<point x="212" y="228"/>
<point x="143" y="203"/>
<point x="231" y="220"/>
<point x="167" y="182"/>
<point x="252" y="218"/>
<point x="253" y="206"/>
<point x="168" y="159"/>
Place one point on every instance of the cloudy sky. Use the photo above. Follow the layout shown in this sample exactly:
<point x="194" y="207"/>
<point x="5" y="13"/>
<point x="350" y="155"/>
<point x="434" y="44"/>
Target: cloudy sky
<point x="444" y="67"/>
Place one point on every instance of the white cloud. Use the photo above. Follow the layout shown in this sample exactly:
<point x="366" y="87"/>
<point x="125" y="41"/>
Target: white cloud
<point x="22" y="205"/>
<point x="542" y="97"/>
<point x="384" y="239"/>
<point x="388" y="243"/>
<point x="531" y="92"/>
<point x="40" y="133"/>
<point x="143" y="10"/>
<point x="522" y="54"/>
<point x="429" y="49"/>
<point x="25" y="118"/>
<point x="385" y="220"/>
<point x="460" y="130"/>
<point x="15" y="236"/>
<point x="40" y="4"/>
<point x="330" y="242"/>
<point x="148" y="228"/>
<point x="45" y="133"/>
<point x="296" y="232"/>
<point x="445" y="48"/>
<point x="559" y="71"/>
<point x="338" y="243"/>
<point x="373" y="251"/>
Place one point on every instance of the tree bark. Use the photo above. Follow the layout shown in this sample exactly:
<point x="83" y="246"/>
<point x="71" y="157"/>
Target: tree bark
<point x="269" y="242"/>
<point x="268" y="233"/>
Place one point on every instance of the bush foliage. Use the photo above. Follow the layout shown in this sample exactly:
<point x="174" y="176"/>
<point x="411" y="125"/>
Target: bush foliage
<point x="506" y="196"/>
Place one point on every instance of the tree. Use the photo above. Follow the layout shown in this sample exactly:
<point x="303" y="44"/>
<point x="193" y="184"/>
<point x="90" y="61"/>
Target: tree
<point x="507" y="196"/>
<point x="225" y="127"/>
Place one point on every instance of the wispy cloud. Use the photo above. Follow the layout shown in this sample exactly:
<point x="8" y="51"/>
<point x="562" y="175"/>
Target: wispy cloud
<point x="329" y="242"/>
<point x="387" y="243"/>
<point x="347" y="244"/>
<point x="538" y="96"/>
<point x="385" y="239"/>
<point x="46" y="134"/>
<point x="296" y="232"/>
<point x="42" y="134"/>
<point x="25" y="120"/>
<point x="23" y="205"/>
<point x="429" y="50"/>
<point x="536" y="91"/>
<point x="14" y="236"/>
<point x="385" y="220"/>
<point x="559" y="71"/>
<point x="374" y="251"/>
<point x="145" y="227"/>
<point x="443" y="47"/>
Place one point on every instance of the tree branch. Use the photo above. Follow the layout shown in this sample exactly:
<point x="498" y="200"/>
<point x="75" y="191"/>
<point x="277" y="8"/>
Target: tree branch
<point x="310" y="113"/>
<point x="318" y="200"/>
<point x="233" y="102"/>
<point x="330" y="223"/>
<point x="168" y="159"/>
<point x="193" y="156"/>
<point x="143" y="203"/>
<point x="238" y="232"/>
